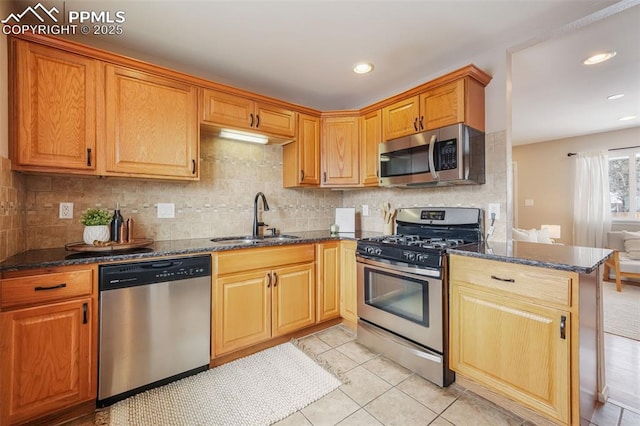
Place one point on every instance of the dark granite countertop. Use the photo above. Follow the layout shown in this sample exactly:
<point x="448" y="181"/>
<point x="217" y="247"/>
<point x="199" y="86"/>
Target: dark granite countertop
<point x="583" y="260"/>
<point x="44" y="258"/>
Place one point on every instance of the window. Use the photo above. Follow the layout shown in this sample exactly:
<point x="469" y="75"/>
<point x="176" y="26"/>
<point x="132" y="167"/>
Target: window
<point x="624" y="184"/>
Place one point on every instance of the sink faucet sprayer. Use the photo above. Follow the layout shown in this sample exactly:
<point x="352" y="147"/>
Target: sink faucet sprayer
<point x="265" y="206"/>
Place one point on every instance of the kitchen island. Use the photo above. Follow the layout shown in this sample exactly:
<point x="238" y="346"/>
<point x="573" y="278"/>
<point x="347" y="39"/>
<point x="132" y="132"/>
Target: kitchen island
<point x="526" y="327"/>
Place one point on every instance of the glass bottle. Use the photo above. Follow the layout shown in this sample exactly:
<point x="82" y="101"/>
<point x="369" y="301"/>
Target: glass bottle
<point x="116" y="223"/>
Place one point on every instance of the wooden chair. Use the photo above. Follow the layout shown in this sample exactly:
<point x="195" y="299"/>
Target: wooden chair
<point x="613" y="262"/>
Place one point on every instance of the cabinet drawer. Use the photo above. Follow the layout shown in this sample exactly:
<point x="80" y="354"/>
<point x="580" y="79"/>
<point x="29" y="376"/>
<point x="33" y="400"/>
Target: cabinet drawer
<point x="526" y="282"/>
<point x="262" y="258"/>
<point x="36" y="289"/>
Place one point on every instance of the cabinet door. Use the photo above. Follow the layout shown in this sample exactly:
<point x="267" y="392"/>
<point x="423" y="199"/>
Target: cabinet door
<point x="401" y="119"/>
<point x="242" y="310"/>
<point x="443" y="106"/>
<point x="227" y="110"/>
<point x="152" y="126"/>
<point x="340" y="163"/>
<point x="370" y="138"/>
<point x="516" y="348"/>
<point x="45" y="359"/>
<point x="293" y="298"/>
<point x="275" y="120"/>
<point x="328" y="280"/>
<point x="55" y="109"/>
<point x="348" y="283"/>
<point x="301" y="158"/>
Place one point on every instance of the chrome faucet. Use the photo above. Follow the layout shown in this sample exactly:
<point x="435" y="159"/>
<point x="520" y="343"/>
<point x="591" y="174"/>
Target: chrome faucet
<point x="265" y="207"/>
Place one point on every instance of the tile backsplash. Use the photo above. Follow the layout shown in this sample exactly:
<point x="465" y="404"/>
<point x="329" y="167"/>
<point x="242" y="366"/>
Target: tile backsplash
<point x="221" y="203"/>
<point x="12" y="202"/>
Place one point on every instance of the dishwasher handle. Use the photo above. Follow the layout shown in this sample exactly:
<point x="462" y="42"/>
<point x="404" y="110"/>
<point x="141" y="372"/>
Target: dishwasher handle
<point x="161" y="265"/>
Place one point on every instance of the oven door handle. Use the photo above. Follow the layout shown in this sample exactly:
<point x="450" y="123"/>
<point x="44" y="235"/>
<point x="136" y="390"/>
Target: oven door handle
<point x="398" y="268"/>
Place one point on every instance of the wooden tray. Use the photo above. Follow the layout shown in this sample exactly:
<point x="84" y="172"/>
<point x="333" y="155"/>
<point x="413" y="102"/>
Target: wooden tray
<point x="81" y="246"/>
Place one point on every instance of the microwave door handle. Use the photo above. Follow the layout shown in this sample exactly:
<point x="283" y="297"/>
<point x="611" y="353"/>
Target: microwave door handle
<point x="432" y="165"/>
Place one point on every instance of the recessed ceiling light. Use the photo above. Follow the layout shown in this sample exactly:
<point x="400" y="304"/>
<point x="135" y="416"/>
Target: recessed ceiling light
<point x="362" y="68"/>
<point x="618" y="96"/>
<point x="599" y="57"/>
<point x="628" y="117"/>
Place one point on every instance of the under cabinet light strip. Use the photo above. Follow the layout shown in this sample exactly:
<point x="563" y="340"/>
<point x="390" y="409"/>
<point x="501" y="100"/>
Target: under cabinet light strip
<point x="244" y="137"/>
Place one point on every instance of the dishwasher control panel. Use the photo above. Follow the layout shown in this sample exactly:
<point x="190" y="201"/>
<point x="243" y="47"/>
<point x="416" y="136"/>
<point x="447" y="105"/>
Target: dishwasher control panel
<point x="153" y="271"/>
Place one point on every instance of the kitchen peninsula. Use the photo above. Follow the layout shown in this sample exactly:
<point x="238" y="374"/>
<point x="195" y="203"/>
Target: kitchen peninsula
<point x="526" y="325"/>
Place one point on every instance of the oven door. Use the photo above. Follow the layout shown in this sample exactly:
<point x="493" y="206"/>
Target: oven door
<point x="401" y="301"/>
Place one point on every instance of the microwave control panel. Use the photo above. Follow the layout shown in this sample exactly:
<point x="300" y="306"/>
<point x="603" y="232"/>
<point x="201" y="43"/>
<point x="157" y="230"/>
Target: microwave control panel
<point x="446" y="155"/>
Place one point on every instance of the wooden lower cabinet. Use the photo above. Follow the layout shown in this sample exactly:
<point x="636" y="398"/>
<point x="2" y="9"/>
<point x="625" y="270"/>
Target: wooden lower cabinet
<point x="45" y="359"/>
<point x="348" y="283"/>
<point x="328" y="280"/>
<point x="48" y="344"/>
<point x="255" y="305"/>
<point x="505" y="338"/>
<point x="293" y="299"/>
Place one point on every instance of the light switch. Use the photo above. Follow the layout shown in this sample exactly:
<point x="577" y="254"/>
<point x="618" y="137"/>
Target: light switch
<point x="365" y="210"/>
<point x="528" y="203"/>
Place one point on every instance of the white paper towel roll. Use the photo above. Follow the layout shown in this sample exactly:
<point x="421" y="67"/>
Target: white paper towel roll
<point x="346" y="219"/>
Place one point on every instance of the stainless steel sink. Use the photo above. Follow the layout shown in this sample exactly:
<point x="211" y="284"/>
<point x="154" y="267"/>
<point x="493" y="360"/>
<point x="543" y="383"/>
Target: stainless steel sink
<point x="248" y="240"/>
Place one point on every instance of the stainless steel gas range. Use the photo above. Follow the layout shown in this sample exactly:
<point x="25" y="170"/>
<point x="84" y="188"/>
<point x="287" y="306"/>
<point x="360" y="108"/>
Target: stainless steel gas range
<point x="403" y="298"/>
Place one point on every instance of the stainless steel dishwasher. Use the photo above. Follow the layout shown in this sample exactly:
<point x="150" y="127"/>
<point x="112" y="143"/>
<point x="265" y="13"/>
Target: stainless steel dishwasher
<point x="155" y="324"/>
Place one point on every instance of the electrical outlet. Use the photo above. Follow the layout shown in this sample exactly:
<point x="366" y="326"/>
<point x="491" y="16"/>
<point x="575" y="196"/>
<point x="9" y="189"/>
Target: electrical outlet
<point x="494" y="208"/>
<point x="166" y="210"/>
<point x="365" y="210"/>
<point x="66" y="211"/>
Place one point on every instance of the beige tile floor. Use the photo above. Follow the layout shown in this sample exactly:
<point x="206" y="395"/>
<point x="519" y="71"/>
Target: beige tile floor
<point x="381" y="392"/>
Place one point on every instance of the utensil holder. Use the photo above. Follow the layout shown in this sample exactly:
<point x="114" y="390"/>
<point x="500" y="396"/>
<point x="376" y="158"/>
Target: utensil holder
<point x="388" y="228"/>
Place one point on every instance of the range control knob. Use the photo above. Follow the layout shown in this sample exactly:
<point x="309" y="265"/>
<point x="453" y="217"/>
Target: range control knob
<point x="409" y="255"/>
<point x="422" y="257"/>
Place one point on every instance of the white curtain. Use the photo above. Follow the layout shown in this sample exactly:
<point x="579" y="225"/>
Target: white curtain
<point x="592" y="203"/>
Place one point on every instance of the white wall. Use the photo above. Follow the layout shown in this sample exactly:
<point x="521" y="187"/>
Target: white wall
<point x="546" y="176"/>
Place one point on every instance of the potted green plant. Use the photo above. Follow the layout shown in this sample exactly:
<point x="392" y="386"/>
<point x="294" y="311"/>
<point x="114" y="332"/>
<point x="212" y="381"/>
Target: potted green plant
<point x="96" y="225"/>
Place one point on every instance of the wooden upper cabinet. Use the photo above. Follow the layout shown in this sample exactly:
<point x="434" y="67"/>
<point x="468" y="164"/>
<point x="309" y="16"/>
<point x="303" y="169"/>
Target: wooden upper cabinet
<point x="370" y="138"/>
<point x="340" y="151"/>
<point x="301" y="158"/>
<point x="55" y="100"/>
<point x="224" y="109"/>
<point x="461" y="101"/>
<point x="401" y="118"/>
<point x="443" y="106"/>
<point x="458" y="101"/>
<point x="151" y="125"/>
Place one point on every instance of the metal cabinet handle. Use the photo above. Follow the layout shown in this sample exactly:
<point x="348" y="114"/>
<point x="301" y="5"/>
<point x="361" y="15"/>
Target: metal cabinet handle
<point x="193" y="166"/>
<point x="257" y="121"/>
<point x="89" y="157"/>
<point x="268" y="280"/>
<point x="415" y="124"/>
<point x="421" y="122"/>
<point x="85" y="308"/>
<point x="506" y="280"/>
<point x="563" y="327"/>
<point x="324" y="176"/>
<point x="275" y="282"/>
<point x="301" y="175"/>
<point x="251" y="124"/>
<point x="53" y="287"/>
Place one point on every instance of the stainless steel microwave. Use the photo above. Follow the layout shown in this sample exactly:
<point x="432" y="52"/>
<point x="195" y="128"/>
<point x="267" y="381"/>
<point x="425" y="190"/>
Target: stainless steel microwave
<point x="452" y="155"/>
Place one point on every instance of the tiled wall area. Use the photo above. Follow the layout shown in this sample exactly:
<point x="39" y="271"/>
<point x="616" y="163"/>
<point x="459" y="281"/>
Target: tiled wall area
<point x="493" y="191"/>
<point x="12" y="202"/>
<point x="220" y="204"/>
